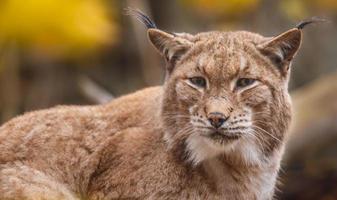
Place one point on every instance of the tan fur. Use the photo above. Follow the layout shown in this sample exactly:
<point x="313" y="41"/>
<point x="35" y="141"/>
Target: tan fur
<point x="155" y="144"/>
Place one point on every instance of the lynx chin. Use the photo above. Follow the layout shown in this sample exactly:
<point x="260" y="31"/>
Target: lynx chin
<point x="215" y="129"/>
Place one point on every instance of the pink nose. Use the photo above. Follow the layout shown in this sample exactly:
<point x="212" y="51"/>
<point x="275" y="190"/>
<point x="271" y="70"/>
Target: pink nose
<point x="217" y="119"/>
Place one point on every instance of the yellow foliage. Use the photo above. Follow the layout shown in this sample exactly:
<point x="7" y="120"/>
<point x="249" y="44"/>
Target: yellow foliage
<point x="295" y="9"/>
<point x="300" y="9"/>
<point x="328" y="5"/>
<point x="60" y="26"/>
<point x="223" y="7"/>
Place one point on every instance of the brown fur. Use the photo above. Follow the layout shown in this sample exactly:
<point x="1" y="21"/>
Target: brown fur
<point x="156" y="143"/>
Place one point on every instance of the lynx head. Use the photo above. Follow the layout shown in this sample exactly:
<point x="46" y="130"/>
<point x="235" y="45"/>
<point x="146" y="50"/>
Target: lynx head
<point x="226" y="93"/>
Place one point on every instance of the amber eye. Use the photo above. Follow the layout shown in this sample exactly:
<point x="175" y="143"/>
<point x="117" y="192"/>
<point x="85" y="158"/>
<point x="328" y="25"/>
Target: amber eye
<point x="244" y="82"/>
<point x="198" y="81"/>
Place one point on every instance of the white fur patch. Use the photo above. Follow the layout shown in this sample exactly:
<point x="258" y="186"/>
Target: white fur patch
<point x="250" y="153"/>
<point x="243" y="62"/>
<point x="201" y="148"/>
<point x="198" y="149"/>
<point x="279" y="53"/>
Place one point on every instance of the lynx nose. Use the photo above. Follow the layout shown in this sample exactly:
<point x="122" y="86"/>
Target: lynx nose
<point x="217" y="119"/>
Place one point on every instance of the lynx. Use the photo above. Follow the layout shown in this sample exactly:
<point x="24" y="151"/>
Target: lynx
<point x="216" y="129"/>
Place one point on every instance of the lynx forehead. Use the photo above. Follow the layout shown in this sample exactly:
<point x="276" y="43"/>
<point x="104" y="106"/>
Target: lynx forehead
<point x="226" y="55"/>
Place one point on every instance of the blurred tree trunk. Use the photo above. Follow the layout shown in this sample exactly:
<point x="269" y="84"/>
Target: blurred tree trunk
<point x="9" y="81"/>
<point x="150" y="63"/>
<point x="310" y="164"/>
<point x="315" y="113"/>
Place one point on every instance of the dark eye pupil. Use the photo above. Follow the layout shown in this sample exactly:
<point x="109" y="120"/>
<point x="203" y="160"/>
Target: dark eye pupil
<point x="245" y="82"/>
<point x="198" y="81"/>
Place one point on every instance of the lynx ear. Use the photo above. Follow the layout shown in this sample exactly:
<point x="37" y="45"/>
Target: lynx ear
<point x="171" y="46"/>
<point x="282" y="48"/>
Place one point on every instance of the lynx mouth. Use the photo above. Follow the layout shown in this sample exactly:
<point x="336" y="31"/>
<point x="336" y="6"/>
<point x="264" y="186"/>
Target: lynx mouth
<point x="217" y="135"/>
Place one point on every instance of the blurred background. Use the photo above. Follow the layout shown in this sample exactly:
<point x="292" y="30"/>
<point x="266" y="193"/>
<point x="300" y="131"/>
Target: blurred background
<point x="88" y="52"/>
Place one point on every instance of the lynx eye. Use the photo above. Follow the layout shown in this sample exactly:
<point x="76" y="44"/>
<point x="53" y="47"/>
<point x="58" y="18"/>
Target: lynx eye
<point x="244" y="82"/>
<point x="198" y="81"/>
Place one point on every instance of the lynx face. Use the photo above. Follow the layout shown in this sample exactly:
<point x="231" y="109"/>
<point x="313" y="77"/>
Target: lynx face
<point x="226" y="93"/>
<point x="223" y="89"/>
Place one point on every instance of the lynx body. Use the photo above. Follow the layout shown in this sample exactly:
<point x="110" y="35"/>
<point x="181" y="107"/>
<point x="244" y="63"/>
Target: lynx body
<point x="216" y="129"/>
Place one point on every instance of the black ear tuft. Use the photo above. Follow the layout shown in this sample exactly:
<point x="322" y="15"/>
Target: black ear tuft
<point x="141" y="17"/>
<point x="304" y="23"/>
